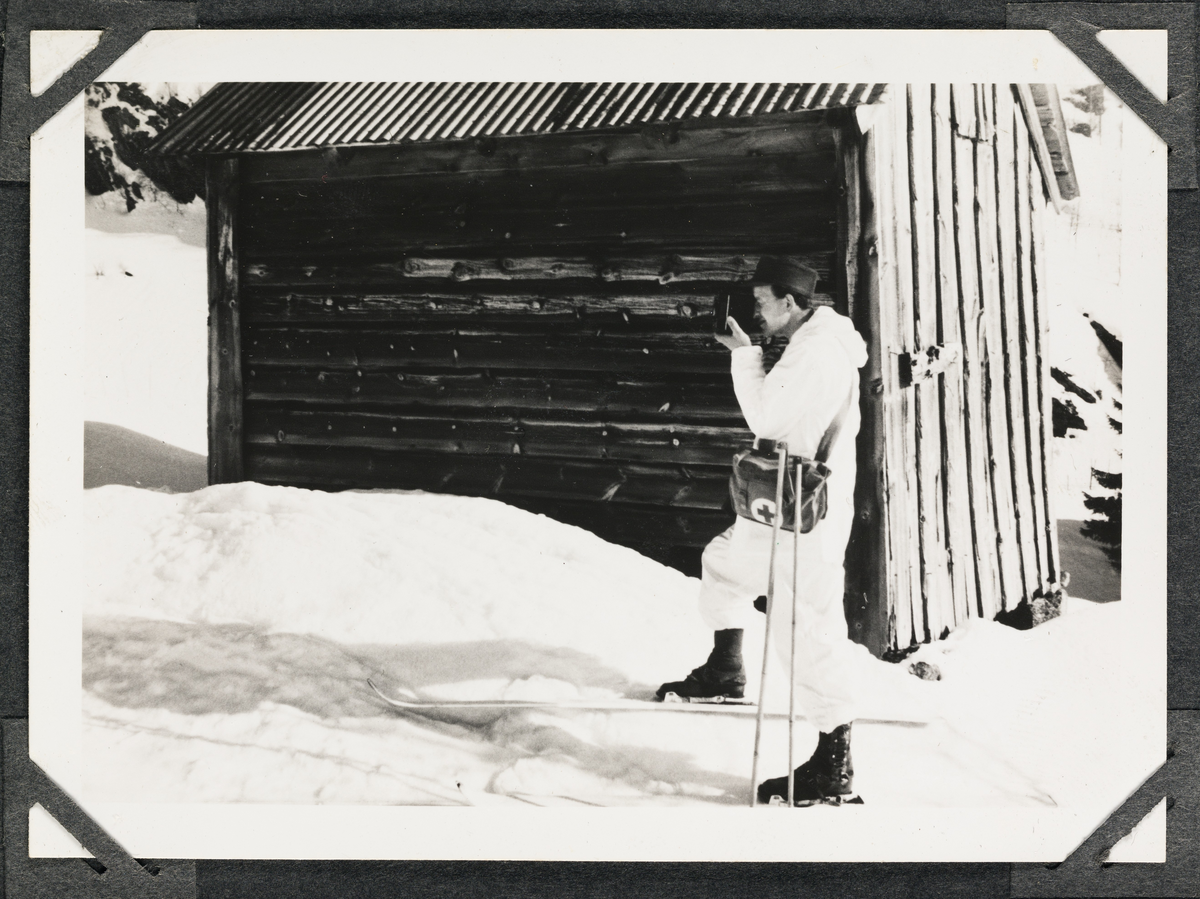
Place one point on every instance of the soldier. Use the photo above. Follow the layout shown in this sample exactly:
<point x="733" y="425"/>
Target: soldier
<point x="815" y="379"/>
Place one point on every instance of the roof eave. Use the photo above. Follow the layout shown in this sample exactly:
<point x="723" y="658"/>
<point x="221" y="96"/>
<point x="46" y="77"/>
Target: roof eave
<point x="1042" y="109"/>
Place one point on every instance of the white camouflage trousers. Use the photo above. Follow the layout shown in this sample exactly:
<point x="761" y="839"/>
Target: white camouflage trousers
<point x="829" y="670"/>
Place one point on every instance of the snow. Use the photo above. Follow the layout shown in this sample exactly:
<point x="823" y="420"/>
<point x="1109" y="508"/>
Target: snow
<point x="108" y="212"/>
<point x="282" y="558"/>
<point x="1085" y="259"/>
<point x="146" y="345"/>
<point x="229" y="633"/>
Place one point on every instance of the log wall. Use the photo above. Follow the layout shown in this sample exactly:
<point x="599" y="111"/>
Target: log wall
<point x="528" y="319"/>
<point x="956" y="197"/>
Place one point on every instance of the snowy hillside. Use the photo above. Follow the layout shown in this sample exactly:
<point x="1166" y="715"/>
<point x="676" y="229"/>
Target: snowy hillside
<point x="146" y="339"/>
<point x="120" y="121"/>
<point x="145" y="272"/>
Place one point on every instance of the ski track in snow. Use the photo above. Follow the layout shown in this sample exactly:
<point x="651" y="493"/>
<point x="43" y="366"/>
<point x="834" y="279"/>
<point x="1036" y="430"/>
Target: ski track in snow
<point x="229" y="634"/>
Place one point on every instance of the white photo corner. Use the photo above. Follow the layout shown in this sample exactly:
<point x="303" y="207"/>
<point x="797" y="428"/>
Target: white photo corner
<point x="414" y="382"/>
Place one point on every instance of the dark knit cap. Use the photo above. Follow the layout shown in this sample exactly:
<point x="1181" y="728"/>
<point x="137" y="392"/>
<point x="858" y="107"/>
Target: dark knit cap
<point x="788" y="272"/>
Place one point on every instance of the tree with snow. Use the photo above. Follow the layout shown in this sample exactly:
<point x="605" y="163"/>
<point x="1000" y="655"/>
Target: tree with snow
<point x="1084" y="270"/>
<point x="121" y="121"/>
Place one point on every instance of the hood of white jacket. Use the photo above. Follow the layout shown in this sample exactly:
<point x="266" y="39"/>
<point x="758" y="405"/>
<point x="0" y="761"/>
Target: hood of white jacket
<point x="825" y="324"/>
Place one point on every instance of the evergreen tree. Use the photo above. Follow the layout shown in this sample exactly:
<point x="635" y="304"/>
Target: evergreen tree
<point x="1105" y="528"/>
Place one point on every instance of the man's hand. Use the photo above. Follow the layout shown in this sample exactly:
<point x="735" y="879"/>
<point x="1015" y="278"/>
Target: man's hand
<point x="736" y="338"/>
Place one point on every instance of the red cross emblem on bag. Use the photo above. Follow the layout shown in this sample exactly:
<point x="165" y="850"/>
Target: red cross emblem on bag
<point x="763" y="510"/>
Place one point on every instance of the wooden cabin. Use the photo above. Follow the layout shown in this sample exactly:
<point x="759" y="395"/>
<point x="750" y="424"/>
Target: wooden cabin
<point x="507" y="290"/>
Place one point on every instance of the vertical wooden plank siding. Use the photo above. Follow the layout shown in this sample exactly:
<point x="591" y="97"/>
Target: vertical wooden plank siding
<point x="960" y="529"/>
<point x="871" y="612"/>
<point x="1011" y="333"/>
<point x="973" y="356"/>
<point x="1036" y="443"/>
<point x="985" y="113"/>
<point x="901" y="551"/>
<point x="931" y="498"/>
<point x="903" y="342"/>
<point x="224" y="324"/>
<point x="965" y="122"/>
<point x="999" y="438"/>
<point x="1041" y="332"/>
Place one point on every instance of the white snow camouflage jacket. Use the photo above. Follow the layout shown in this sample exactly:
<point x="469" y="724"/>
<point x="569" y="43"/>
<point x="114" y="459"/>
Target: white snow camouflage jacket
<point x="805" y="390"/>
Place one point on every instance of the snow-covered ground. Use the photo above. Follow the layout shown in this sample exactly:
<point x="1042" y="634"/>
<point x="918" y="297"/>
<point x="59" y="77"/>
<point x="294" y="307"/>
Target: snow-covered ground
<point x="229" y="634"/>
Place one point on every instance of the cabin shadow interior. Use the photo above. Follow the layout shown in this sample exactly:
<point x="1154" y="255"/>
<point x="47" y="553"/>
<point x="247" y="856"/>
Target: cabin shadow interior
<point x="433" y="287"/>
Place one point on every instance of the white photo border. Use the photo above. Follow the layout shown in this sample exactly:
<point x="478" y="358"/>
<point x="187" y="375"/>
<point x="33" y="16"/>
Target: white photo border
<point x="168" y="830"/>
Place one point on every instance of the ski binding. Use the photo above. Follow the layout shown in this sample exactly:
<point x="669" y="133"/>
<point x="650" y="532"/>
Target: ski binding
<point x="777" y="801"/>
<point x="704" y="700"/>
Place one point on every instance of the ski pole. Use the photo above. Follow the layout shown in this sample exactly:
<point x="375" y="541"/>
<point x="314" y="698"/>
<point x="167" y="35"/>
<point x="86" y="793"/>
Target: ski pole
<point x="776" y="522"/>
<point x="791" y="768"/>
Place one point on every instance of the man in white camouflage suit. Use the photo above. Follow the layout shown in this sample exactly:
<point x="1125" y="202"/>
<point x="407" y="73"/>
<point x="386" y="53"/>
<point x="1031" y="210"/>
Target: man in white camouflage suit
<point x="815" y="378"/>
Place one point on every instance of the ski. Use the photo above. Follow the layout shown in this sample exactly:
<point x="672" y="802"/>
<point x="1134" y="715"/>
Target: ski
<point x="736" y="707"/>
<point x="618" y="704"/>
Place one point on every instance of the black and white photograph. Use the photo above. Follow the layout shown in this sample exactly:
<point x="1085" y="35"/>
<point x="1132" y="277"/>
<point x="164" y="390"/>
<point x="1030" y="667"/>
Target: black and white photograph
<point x="567" y="468"/>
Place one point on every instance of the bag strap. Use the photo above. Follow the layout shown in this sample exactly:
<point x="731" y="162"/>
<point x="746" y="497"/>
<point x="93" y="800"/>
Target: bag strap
<point x="835" y="427"/>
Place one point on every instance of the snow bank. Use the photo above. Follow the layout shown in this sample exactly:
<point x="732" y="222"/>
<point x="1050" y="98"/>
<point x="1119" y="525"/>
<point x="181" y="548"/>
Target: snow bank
<point x="229" y="634"/>
<point x="395" y="568"/>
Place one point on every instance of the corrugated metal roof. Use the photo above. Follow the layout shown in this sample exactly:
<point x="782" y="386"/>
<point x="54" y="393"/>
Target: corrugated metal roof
<point x="239" y="117"/>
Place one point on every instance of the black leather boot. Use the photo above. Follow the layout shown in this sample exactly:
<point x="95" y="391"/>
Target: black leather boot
<point x="827" y="777"/>
<point x="720" y="678"/>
